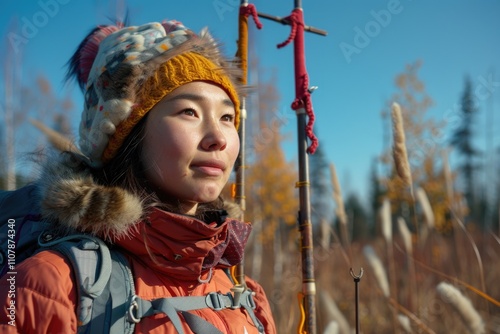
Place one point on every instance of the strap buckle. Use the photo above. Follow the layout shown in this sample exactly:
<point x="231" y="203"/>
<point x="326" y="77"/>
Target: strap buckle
<point x="218" y="301"/>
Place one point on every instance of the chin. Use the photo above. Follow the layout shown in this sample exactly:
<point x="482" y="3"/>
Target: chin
<point x="207" y="199"/>
<point x="207" y="194"/>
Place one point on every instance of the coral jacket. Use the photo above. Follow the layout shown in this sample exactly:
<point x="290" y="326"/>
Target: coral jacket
<point x="181" y="251"/>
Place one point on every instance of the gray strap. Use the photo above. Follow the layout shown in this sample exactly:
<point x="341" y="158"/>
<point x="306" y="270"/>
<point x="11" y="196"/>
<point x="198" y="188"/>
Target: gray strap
<point x="100" y="317"/>
<point x="214" y="300"/>
<point x="249" y="305"/>
<point x="171" y="306"/>
<point x="86" y="264"/>
<point x="141" y="308"/>
<point x="163" y="305"/>
<point x="92" y="286"/>
<point x="91" y="261"/>
<point x="120" y="291"/>
<point x="199" y="325"/>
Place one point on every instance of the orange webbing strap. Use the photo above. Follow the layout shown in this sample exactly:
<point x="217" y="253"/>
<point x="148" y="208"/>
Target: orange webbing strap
<point x="242" y="52"/>
<point x="233" y="274"/>
<point x="302" y="320"/>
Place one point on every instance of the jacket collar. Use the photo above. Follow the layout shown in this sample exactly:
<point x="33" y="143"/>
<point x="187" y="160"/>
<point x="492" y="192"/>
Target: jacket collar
<point x="185" y="247"/>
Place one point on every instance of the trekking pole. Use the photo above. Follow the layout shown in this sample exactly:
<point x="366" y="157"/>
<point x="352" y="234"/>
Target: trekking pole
<point x="246" y="10"/>
<point x="303" y="108"/>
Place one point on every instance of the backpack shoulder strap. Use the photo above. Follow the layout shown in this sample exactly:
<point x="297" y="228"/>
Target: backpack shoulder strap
<point x="104" y="282"/>
<point x="214" y="300"/>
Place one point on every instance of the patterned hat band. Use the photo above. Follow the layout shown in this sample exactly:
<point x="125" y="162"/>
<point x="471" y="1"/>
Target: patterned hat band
<point x="177" y="71"/>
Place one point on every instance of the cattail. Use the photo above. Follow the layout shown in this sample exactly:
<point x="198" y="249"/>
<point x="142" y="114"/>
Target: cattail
<point x="399" y="146"/>
<point x="325" y="233"/>
<point x="404" y="321"/>
<point x="447" y="176"/>
<point x="426" y="207"/>
<point x="337" y="196"/>
<point x="407" y="241"/>
<point x="385" y="217"/>
<point x="405" y="235"/>
<point x="463" y="306"/>
<point x="340" y="211"/>
<point x="331" y="328"/>
<point x="332" y="314"/>
<point x="378" y="269"/>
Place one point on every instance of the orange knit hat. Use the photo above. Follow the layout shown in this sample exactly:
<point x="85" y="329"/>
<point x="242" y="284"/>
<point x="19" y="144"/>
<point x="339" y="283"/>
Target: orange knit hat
<point x="177" y="71"/>
<point x="132" y="69"/>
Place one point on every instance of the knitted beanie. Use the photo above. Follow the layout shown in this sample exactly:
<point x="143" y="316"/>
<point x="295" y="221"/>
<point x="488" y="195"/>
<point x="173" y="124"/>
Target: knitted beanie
<point x="125" y="71"/>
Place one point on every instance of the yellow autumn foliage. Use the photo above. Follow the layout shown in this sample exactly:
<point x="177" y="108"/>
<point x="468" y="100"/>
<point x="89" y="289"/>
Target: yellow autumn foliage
<point x="271" y="197"/>
<point x="424" y="146"/>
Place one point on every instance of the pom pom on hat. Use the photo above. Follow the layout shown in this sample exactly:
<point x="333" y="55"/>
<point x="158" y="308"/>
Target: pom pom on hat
<point x="81" y="62"/>
<point x="133" y="68"/>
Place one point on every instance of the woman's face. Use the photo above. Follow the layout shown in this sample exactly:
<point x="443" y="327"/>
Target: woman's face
<point x="191" y="144"/>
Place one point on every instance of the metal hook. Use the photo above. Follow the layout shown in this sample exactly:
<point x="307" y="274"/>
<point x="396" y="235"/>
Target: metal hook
<point x="357" y="278"/>
<point x="312" y="89"/>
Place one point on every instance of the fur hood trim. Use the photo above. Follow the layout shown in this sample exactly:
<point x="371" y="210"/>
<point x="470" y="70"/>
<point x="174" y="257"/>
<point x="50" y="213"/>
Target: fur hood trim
<point x="71" y="198"/>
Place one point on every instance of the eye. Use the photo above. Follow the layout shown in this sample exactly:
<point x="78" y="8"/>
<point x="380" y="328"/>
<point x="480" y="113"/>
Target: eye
<point x="189" y="112"/>
<point x="228" y="118"/>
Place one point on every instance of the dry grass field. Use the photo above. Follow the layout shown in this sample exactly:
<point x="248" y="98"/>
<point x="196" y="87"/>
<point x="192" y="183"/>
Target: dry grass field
<point x="471" y="265"/>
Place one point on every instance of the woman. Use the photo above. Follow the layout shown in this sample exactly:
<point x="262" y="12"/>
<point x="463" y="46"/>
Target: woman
<point x="158" y="141"/>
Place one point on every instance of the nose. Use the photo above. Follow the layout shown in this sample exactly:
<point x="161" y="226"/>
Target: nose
<point x="214" y="138"/>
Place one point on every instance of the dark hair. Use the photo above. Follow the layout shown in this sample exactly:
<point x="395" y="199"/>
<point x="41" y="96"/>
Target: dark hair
<point x="126" y="170"/>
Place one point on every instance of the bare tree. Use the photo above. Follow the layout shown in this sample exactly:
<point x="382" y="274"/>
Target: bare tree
<point x="39" y="102"/>
<point x="12" y="68"/>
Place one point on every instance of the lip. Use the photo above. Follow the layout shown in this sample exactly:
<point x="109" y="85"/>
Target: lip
<point x="210" y="167"/>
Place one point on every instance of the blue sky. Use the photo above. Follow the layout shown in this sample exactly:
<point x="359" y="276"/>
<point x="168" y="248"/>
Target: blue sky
<point x="451" y="38"/>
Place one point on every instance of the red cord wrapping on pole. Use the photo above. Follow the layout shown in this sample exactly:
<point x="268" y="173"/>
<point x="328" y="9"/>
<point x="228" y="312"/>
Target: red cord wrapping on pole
<point x="302" y="94"/>
<point x="251" y="10"/>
